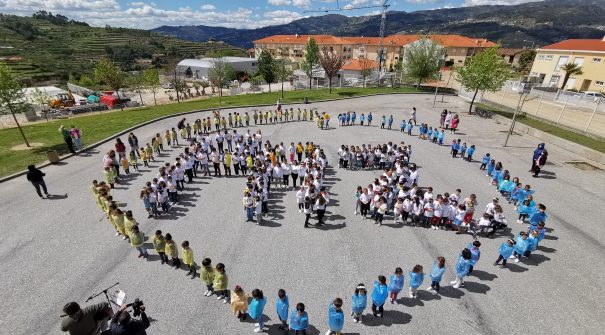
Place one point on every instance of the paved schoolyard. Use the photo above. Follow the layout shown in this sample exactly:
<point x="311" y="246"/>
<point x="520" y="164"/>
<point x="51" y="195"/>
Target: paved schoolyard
<point x="56" y="251"/>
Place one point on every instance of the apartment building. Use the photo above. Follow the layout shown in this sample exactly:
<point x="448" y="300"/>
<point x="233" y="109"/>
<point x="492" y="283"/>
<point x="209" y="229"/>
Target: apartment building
<point x="588" y="53"/>
<point x="457" y="49"/>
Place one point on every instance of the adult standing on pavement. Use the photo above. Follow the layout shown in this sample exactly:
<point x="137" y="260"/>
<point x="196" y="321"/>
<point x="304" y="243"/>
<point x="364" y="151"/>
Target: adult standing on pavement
<point x="120" y="148"/>
<point x="87" y="321"/>
<point x="36" y="177"/>
<point x="454" y="123"/>
<point x="413" y="115"/>
<point x="133" y="141"/>
<point x="181" y="124"/>
<point x="123" y="324"/>
<point x="67" y="138"/>
<point x="536" y="156"/>
<point x="540" y="162"/>
<point x="442" y="120"/>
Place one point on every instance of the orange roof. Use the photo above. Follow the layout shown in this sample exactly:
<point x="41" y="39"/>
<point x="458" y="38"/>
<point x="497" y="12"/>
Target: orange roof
<point x="301" y="39"/>
<point x="399" y="40"/>
<point x="578" y="44"/>
<point x="358" y="64"/>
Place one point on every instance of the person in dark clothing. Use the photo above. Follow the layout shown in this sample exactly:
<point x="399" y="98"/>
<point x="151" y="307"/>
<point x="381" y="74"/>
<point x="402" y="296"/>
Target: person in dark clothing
<point x="123" y="324"/>
<point x="87" y="321"/>
<point x="36" y="177"/>
<point x="536" y="156"/>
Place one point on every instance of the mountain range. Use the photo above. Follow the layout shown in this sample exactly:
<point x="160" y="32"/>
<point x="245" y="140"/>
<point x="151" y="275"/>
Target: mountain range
<point x="537" y="23"/>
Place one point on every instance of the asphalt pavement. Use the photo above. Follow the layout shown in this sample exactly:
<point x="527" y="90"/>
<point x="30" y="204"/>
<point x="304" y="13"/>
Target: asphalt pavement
<point x="58" y="250"/>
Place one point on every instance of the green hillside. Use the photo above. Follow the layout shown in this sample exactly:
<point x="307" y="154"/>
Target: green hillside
<point x="49" y="47"/>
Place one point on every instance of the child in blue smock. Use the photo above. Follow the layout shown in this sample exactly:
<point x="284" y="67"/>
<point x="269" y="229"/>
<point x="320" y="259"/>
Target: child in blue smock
<point x="299" y="320"/>
<point x="395" y="284"/>
<point x="435" y="135"/>
<point x="540" y="230"/>
<point x="383" y="122"/>
<point x="336" y="318"/>
<point x="362" y="118"/>
<point x="390" y="121"/>
<point x="525" y="209"/>
<point x="506" y="249"/>
<point x="282" y="305"/>
<point x="469" y="153"/>
<point x="429" y="133"/>
<point x="353" y="117"/>
<point x="475" y="254"/>
<point x="402" y="126"/>
<point x="462" y="266"/>
<point x="410" y="127"/>
<point x="416" y="279"/>
<point x="359" y="301"/>
<point x="370" y="117"/>
<point x="520" y="247"/>
<point x="379" y="296"/>
<point x="436" y="274"/>
<point x="255" y="309"/>
<point x="538" y="216"/>
<point x="532" y="242"/>
<point x="463" y="150"/>
<point x="490" y="167"/>
<point x="441" y="137"/>
<point x="484" y="161"/>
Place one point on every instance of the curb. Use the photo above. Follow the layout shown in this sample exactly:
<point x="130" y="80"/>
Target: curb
<point x="587" y="153"/>
<point x="105" y="140"/>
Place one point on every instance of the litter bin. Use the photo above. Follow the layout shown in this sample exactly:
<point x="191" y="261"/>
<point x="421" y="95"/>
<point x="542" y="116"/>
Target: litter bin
<point x="52" y="155"/>
<point x="306" y="100"/>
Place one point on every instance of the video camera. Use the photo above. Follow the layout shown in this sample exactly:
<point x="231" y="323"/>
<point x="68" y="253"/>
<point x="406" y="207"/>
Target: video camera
<point x="137" y="307"/>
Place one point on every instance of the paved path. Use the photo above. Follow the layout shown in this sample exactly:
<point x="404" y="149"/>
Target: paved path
<point x="55" y="251"/>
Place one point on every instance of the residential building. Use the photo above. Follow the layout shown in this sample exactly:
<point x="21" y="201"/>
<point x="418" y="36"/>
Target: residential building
<point x="457" y="48"/>
<point x="588" y="53"/>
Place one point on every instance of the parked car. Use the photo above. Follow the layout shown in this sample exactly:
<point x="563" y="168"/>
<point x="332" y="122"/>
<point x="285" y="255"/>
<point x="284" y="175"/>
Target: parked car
<point x="594" y="96"/>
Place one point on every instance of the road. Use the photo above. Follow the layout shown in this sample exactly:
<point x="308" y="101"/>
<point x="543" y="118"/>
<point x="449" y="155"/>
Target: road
<point x="56" y="251"/>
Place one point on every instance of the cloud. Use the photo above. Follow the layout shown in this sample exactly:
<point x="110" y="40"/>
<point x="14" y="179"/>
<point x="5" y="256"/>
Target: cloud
<point x="470" y="3"/>
<point x="301" y="3"/>
<point x="26" y="5"/>
<point x="279" y="2"/>
<point x="420" y="2"/>
<point x="357" y="3"/>
<point x="208" y="7"/>
<point x="137" y="4"/>
<point x="281" y="14"/>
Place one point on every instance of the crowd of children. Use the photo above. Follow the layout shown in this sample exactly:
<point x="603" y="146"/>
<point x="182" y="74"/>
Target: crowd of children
<point x="263" y="164"/>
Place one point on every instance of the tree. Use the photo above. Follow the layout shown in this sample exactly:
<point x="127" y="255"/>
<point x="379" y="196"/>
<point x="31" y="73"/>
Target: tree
<point x="310" y="63"/>
<point x="486" y="71"/>
<point x="41" y="97"/>
<point x="399" y="68"/>
<point x="137" y="83"/>
<point x="526" y="61"/>
<point x="331" y="62"/>
<point x="570" y="70"/>
<point x="266" y="67"/>
<point x="12" y="97"/>
<point x="367" y="67"/>
<point x="108" y="73"/>
<point x="204" y="84"/>
<point x="151" y="80"/>
<point x="422" y="60"/>
<point x="220" y="74"/>
<point x="283" y="71"/>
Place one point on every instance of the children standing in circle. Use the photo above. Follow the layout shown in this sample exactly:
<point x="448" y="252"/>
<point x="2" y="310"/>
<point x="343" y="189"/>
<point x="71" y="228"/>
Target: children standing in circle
<point x="359" y="301"/>
<point x="379" y="296"/>
<point x="395" y="284"/>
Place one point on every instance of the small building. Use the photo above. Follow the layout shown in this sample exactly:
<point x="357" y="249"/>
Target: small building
<point x="352" y="69"/>
<point x="587" y="53"/>
<point x="198" y="68"/>
<point x="512" y="56"/>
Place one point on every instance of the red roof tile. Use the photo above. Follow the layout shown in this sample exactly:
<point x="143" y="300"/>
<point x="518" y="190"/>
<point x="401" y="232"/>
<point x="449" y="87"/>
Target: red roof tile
<point x="358" y="64"/>
<point x="578" y="44"/>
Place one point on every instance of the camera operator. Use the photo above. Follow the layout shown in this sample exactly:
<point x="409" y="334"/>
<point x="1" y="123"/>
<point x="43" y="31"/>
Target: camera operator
<point x="123" y="324"/>
<point x="85" y="321"/>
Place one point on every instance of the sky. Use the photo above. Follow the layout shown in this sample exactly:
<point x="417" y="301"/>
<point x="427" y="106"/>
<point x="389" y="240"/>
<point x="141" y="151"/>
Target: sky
<point x="225" y="13"/>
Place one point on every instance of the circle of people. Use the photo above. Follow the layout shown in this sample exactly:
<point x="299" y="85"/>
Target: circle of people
<point x="396" y="191"/>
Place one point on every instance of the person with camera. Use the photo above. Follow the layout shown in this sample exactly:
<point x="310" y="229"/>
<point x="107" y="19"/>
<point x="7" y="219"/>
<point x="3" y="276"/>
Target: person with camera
<point x="87" y="321"/>
<point x="123" y="324"/>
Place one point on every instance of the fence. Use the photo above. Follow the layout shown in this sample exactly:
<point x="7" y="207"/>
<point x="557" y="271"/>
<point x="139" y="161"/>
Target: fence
<point x="572" y="110"/>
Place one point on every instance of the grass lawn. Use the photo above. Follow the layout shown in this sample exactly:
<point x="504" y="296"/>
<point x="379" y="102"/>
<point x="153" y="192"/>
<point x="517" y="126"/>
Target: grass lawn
<point x="552" y="129"/>
<point x="99" y="126"/>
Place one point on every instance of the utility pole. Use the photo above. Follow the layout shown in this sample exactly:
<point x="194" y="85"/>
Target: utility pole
<point x="524" y="91"/>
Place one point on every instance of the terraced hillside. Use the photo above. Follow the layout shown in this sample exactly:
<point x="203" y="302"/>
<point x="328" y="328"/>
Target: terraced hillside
<point x="40" y="50"/>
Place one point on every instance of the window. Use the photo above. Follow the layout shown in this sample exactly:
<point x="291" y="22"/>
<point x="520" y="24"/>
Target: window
<point x="579" y="61"/>
<point x="599" y="83"/>
<point x="548" y="57"/>
<point x="540" y="57"/>
<point x="562" y="61"/>
<point x="596" y="60"/>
